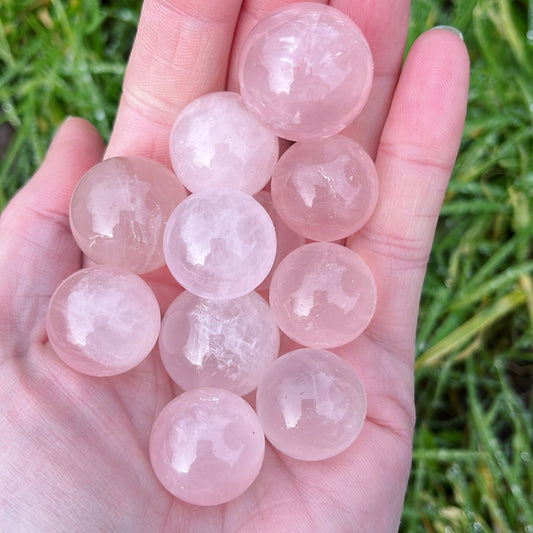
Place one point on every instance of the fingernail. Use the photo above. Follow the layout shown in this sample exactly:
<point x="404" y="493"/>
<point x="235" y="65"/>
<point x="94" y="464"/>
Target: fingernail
<point x="450" y="28"/>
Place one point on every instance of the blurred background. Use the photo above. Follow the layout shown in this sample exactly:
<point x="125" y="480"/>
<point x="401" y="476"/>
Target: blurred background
<point x="473" y="452"/>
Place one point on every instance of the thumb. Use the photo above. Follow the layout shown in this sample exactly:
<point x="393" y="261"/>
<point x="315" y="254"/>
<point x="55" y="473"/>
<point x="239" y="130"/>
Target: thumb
<point x="76" y="147"/>
<point x="37" y="250"/>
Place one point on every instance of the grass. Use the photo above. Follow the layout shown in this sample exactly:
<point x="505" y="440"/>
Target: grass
<point x="473" y="457"/>
<point x="58" y="58"/>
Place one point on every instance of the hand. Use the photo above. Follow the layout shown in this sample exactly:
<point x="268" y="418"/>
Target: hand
<point x="74" y="449"/>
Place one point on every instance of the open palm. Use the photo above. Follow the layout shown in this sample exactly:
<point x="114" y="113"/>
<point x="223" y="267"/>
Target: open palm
<point x="74" y="449"/>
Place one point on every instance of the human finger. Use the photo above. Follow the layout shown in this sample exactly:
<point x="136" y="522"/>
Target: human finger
<point x="415" y="158"/>
<point x="252" y="12"/>
<point x="385" y="25"/>
<point x="181" y="51"/>
<point x="37" y="250"/>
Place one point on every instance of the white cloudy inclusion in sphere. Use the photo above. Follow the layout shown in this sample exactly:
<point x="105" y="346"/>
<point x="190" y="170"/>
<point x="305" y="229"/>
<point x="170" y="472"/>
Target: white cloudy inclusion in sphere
<point x="219" y="243"/>
<point x="311" y="404"/>
<point x="306" y="71"/>
<point x="207" y="446"/>
<point x="322" y="295"/>
<point x="326" y="189"/>
<point x="103" y="320"/>
<point x="217" y="142"/>
<point x="218" y="343"/>
<point x="119" y="209"/>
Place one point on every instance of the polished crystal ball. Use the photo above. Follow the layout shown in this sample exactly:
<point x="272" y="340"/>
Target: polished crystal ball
<point x="219" y="243"/>
<point x="306" y="71"/>
<point x="326" y="189"/>
<point x="119" y="210"/>
<point x="311" y="404"/>
<point x="218" y="343"/>
<point x="287" y="239"/>
<point x="207" y="446"/>
<point x="103" y="320"/>
<point x="322" y="295"/>
<point x="217" y="142"/>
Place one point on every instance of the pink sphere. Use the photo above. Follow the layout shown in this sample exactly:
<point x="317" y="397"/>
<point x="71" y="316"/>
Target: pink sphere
<point x="311" y="404"/>
<point x="322" y="295"/>
<point x="306" y="71"/>
<point x="219" y="243"/>
<point x="103" y="320"/>
<point x="287" y="240"/>
<point x="217" y="142"/>
<point x="119" y="210"/>
<point x="218" y="343"/>
<point x="207" y="446"/>
<point x="325" y="190"/>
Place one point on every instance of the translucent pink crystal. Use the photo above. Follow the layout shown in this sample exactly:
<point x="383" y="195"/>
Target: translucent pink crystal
<point x="119" y="210"/>
<point x="322" y="295"/>
<point x="207" y="446"/>
<point x="219" y="243"/>
<point x="326" y="189"/>
<point x="287" y="240"/>
<point x="217" y="142"/>
<point x="218" y="343"/>
<point x="306" y="71"/>
<point x="311" y="404"/>
<point x="103" y="320"/>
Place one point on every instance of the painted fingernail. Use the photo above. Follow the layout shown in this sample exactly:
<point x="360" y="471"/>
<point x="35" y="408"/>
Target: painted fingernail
<point x="450" y="28"/>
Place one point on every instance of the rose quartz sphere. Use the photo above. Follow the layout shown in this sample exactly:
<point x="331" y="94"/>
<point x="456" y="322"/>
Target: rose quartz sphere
<point x="218" y="343"/>
<point x="207" y="446"/>
<point x="119" y="210"/>
<point x="322" y="295"/>
<point x="219" y="243"/>
<point x="287" y="240"/>
<point x="311" y="404"/>
<point x="217" y="142"/>
<point x="325" y="190"/>
<point x="103" y="320"/>
<point x="306" y="71"/>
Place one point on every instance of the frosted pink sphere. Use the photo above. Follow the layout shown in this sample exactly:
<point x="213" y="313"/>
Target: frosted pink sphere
<point x="217" y="142"/>
<point x="119" y="210"/>
<point x="322" y="295"/>
<point x="326" y="189"/>
<point x="207" y="446"/>
<point x="219" y="243"/>
<point x="306" y="71"/>
<point x="103" y="320"/>
<point x="287" y="240"/>
<point x="311" y="404"/>
<point x="218" y="343"/>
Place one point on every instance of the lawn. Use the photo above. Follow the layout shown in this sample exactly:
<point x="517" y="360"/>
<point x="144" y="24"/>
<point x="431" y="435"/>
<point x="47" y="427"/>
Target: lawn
<point x="473" y="457"/>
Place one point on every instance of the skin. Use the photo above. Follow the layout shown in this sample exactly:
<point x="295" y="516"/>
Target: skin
<point x="74" y="449"/>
